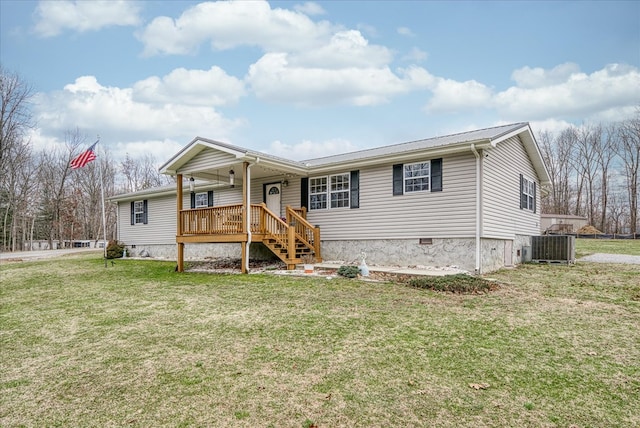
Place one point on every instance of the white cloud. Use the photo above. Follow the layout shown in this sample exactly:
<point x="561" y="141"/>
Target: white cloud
<point x="211" y="87"/>
<point x="452" y="96"/>
<point x="405" y="31"/>
<point x="310" y="8"/>
<point x="96" y="109"/>
<point x="562" y="93"/>
<point x="311" y="149"/>
<point x="578" y="95"/>
<point x="344" y="49"/>
<point x="531" y="78"/>
<point x="53" y="17"/>
<point x="229" y="24"/>
<point x="274" y="79"/>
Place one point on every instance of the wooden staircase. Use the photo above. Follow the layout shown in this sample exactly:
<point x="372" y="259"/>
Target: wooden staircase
<point x="294" y="241"/>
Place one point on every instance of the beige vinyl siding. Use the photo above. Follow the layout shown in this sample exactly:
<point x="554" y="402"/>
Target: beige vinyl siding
<point x="161" y="225"/>
<point x="503" y="218"/>
<point x="206" y="159"/>
<point x="449" y="213"/>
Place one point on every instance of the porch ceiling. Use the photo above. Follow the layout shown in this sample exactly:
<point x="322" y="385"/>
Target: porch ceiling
<point x="220" y="172"/>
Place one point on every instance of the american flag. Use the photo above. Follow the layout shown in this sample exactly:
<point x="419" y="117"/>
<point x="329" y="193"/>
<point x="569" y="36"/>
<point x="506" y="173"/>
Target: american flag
<point x="84" y="158"/>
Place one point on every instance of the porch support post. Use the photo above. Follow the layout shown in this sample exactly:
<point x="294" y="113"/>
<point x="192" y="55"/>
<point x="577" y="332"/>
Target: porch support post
<point x="245" y="213"/>
<point x="179" y="222"/>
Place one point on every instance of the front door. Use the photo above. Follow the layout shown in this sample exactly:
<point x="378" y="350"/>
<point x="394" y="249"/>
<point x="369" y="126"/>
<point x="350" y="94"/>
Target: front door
<point x="273" y="198"/>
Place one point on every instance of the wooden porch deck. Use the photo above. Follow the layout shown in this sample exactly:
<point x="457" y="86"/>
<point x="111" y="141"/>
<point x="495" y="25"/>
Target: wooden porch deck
<point x="290" y="238"/>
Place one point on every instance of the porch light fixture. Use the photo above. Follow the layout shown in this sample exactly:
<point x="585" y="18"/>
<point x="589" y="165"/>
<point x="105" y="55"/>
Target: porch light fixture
<point x="192" y="184"/>
<point x="232" y="177"/>
<point x="285" y="183"/>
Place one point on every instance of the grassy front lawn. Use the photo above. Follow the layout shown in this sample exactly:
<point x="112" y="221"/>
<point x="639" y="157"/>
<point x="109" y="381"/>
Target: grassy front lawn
<point x="139" y="345"/>
<point x="585" y="246"/>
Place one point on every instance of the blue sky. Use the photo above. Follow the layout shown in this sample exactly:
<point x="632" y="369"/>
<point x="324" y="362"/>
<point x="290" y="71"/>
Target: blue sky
<point x="307" y="79"/>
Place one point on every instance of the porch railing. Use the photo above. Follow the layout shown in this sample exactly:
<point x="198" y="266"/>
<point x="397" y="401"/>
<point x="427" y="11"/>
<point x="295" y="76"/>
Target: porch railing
<point x="228" y="219"/>
<point x="212" y="220"/>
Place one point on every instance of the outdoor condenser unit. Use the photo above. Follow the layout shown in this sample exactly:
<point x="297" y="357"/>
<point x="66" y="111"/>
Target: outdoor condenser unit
<point x="553" y="248"/>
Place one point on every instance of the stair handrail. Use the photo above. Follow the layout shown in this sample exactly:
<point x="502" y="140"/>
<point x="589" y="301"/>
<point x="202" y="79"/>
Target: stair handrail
<point x="305" y="232"/>
<point x="270" y="223"/>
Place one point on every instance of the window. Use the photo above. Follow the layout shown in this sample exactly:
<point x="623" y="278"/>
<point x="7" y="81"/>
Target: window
<point x="334" y="191"/>
<point x="339" y="190"/>
<point x="202" y="200"/>
<point x="425" y="176"/>
<point x="139" y="212"/>
<point x="416" y="177"/>
<point x="527" y="194"/>
<point x="318" y="193"/>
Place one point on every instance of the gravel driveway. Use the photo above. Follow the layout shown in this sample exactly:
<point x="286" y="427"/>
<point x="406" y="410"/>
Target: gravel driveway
<point x="611" y="258"/>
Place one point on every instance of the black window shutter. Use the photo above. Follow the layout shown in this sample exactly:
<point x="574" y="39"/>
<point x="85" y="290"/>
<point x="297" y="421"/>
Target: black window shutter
<point x="264" y="193"/>
<point x="304" y="192"/>
<point x="133" y="213"/>
<point x="522" y="195"/>
<point x="355" y="189"/>
<point x="145" y="216"/>
<point x="193" y="200"/>
<point x="210" y="198"/>
<point x="398" y="180"/>
<point x="534" y="196"/>
<point x="436" y="175"/>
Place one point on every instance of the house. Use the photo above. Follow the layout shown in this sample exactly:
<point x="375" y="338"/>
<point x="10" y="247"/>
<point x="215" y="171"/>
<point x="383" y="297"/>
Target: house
<point x="469" y="200"/>
<point x="551" y="224"/>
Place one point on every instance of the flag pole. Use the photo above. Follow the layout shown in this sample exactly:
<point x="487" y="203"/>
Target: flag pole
<point x="104" y="219"/>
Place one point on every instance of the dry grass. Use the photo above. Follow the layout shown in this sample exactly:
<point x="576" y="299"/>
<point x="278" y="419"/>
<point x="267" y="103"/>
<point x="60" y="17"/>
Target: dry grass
<point x="139" y="345"/>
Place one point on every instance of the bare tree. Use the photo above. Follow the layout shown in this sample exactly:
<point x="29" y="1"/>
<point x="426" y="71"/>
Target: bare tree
<point x="141" y="173"/>
<point x="605" y="143"/>
<point x="15" y="156"/>
<point x="58" y="207"/>
<point x="629" y="150"/>
<point x="585" y="161"/>
<point x="557" y="154"/>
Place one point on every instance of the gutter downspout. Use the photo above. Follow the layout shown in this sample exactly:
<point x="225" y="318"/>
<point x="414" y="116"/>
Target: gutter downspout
<point x="478" y="217"/>
<point x="248" y="177"/>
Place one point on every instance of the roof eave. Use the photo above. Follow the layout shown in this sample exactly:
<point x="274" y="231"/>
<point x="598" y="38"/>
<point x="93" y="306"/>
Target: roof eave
<point x="404" y="156"/>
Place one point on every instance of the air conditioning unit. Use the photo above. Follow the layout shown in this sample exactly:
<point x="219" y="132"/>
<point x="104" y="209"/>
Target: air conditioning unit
<point x="553" y="249"/>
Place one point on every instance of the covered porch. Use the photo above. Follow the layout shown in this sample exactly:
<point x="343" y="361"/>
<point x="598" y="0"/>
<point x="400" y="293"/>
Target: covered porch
<point x="237" y="215"/>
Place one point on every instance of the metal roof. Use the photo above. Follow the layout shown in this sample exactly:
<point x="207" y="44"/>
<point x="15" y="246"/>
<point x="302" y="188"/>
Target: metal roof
<point x="487" y="134"/>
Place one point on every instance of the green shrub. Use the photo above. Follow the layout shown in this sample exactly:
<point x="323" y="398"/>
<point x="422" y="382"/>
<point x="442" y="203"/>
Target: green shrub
<point x="114" y="249"/>
<point x="349" y="271"/>
<point x="459" y="283"/>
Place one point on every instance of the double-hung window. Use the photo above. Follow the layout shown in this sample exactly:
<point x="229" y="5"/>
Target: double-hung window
<point x="339" y="190"/>
<point x="139" y="210"/>
<point x="202" y="200"/>
<point x="527" y="194"/>
<point x="417" y="177"/>
<point x="318" y="193"/>
<point x="333" y="191"/>
<point x="424" y="176"/>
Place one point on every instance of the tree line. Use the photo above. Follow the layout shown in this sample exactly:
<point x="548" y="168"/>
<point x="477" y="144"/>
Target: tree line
<point x="593" y="171"/>
<point x="41" y="197"/>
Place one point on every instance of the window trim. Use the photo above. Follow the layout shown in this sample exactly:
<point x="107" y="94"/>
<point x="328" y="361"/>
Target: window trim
<point x="204" y="197"/>
<point x="435" y="177"/>
<point x="345" y="192"/>
<point x="405" y="178"/>
<point x="527" y="194"/>
<point x="350" y="193"/>
<point x="144" y="214"/>
<point x="312" y="193"/>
